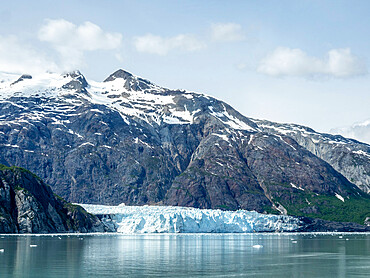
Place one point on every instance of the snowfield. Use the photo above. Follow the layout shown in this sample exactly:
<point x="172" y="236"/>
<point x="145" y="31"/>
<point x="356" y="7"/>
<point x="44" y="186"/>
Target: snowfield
<point x="167" y="219"/>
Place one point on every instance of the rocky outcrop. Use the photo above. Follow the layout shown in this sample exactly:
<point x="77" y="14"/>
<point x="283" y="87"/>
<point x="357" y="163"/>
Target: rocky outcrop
<point x="23" y="77"/>
<point x="319" y="225"/>
<point x="127" y="140"/>
<point x="27" y="205"/>
<point x="78" y="82"/>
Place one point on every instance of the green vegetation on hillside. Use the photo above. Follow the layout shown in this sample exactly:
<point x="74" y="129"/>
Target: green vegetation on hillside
<point x="354" y="209"/>
<point x="20" y="169"/>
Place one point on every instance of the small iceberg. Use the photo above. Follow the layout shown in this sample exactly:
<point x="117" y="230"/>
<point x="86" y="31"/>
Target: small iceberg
<point x="33" y="245"/>
<point x="2" y="250"/>
<point x="257" y="246"/>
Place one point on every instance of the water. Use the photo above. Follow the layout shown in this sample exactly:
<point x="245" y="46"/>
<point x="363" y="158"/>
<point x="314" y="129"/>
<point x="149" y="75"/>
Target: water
<point x="184" y="255"/>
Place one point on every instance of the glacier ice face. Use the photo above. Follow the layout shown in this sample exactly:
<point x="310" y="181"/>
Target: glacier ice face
<point x="168" y="219"/>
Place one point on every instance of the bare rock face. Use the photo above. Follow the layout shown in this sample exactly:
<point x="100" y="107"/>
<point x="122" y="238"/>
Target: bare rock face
<point x="319" y="225"/>
<point x="127" y="140"/>
<point x="27" y="205"/>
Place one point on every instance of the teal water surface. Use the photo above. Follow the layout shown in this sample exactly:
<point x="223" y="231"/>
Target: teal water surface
<point x="186" y="255"/>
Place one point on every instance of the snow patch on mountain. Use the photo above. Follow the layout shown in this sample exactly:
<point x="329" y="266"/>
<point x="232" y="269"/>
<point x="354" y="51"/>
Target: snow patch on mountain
<point x="296" y="187"/>
<point x="339" y="197"/>
<point x="230" y="120"/>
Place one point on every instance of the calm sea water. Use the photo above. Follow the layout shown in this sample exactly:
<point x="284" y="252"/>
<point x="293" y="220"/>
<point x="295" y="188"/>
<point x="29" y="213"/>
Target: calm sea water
<point x="184" y="255"/>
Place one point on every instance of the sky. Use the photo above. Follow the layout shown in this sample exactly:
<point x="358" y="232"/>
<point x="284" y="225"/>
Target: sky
<point x="304" y="62"/>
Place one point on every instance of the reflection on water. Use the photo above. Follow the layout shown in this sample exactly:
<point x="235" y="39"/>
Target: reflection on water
<point x="197" y="255"/>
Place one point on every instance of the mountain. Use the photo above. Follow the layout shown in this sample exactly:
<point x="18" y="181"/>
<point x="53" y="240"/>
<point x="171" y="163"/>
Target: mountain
<point x="128" y="140"/>
<point x="27" y="205"/>
<point x="359" y="131"/>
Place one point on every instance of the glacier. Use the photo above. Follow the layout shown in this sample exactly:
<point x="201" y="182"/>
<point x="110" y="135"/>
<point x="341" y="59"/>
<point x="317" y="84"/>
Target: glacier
<point x="170" y="219"/>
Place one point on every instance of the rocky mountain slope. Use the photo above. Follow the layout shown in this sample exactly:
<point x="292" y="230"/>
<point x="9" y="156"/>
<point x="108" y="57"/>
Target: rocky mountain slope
<point x="349" y="157"/>
<point x="127" y="140"/>
<point x="27" y="205"/>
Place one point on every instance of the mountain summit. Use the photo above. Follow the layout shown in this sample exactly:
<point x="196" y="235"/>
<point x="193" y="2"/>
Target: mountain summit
<point x="127" y="140"/>
<point x="132" y="82"/>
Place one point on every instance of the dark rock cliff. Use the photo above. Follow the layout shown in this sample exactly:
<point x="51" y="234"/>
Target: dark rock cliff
<point x="28" y="205"/>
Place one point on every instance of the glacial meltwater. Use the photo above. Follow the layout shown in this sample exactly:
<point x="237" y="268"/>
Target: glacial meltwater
<point x="185" y="255"/>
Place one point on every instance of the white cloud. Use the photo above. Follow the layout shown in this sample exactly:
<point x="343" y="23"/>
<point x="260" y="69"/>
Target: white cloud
<point x="18" y="57"/>
<point x="241" y="66"/>
<point x="339" y="63"/>
<point x="71" y="41"/>
<point x="226" y="32"/>
<point x="161" y="46"/>
<point x="358" y="131"/>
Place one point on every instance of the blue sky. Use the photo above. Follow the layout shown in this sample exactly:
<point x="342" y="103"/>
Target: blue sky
<point x="289" y="61"/>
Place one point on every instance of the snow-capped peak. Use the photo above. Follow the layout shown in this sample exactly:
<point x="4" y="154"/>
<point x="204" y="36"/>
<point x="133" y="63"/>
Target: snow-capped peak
<point x="130" y="95"/>
<point x="44" y="84"/>
<point x="120" y="73"/>
<point x="130" y="81"/>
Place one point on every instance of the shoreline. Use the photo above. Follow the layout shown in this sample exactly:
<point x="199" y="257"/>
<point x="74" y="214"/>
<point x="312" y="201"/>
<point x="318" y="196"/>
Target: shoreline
<point x="186" y="234"/>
